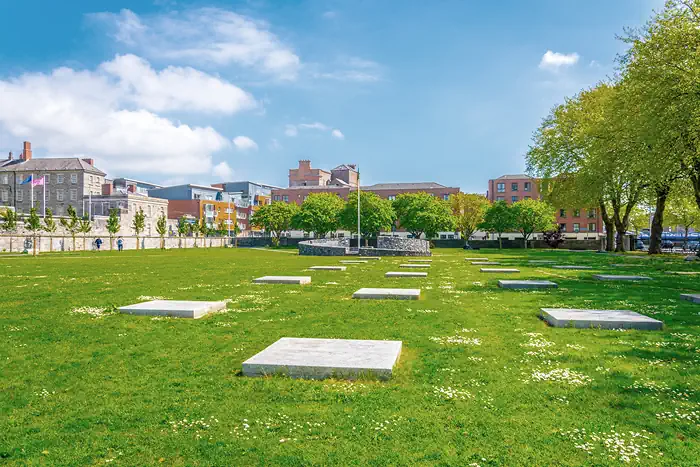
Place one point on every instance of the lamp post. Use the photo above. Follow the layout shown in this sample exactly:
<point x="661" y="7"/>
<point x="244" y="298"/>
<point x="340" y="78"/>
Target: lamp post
<point x="358" y="210"/>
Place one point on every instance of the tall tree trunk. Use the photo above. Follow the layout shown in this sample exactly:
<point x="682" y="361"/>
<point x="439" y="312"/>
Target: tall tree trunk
<point x="609" y="227"/>
<point x="500" y="243"/>
<point x="657" y="223"/>
<point x="695" y="179"/>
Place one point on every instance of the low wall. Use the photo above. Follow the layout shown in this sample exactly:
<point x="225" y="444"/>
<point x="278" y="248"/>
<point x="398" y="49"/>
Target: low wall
<point x="397" y="246"/>
<point x="324" y="247"/>
<point x="65" y="243"/>
<point x="518" y="243"/>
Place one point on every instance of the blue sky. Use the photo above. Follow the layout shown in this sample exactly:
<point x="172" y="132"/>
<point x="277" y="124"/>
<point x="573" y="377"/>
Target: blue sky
<point x="174" y="91"/>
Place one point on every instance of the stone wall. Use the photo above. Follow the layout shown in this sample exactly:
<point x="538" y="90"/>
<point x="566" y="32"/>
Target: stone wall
<point x="324" y="247"/>
<point x="397" y="246"/>
<point x="65" y="242"/>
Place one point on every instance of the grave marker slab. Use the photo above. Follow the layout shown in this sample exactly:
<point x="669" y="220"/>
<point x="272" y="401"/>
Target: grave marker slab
<point x="541" y="261"/>
<point x="506" y="284"/>
<point x="382" y="293"/>
<point x="606" y="277"/>
<point x="298" y="280"/>
<point x="572" y="267"/>
<point x="420" y="260"/>
<point x="328" y="268"/>
<point x="414" y="265"/>
<point x="503" y="270"/>
<point x="406" y="274"/>
<point x="604" y="319"/>
<point x="175" y="308"/>
<point x="325" y="358"/>
<point x="476" y="259"/>
<point x="353" y="261"/>
<point x="485" y="263"/>
<point x="374" y="258"/>
<point x="693" y="297"/>
<point x="684" y="273"/>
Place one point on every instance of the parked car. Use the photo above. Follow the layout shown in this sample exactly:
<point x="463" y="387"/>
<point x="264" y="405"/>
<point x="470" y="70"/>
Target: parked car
<point x="667" y="244"/>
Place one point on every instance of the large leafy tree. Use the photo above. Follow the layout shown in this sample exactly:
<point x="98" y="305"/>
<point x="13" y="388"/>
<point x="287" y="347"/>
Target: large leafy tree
<point x="113" y="225"/>
<point x="531" y="216"/>
<point x="33" y="225"/>
<point x="468" y="210"/>
<point x="639" y="219"/>
<point x="319" y="213"/>
<point x="423" y="213"/>
<point x="499" y="218"/>
<point x="275" y="218"/>
<point x="49" y="225"/>
<point x="138" y="224"/>
<point x="683" y="211"/>
<point x="376" y="214"/>
<point x="71" y="223"/>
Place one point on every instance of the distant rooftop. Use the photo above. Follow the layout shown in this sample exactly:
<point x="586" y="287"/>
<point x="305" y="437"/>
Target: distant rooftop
<point x="50" y="164"/>
<point x="513" y="177"/>
<point x="346" y="167"/>
<point x="404" y="186"/>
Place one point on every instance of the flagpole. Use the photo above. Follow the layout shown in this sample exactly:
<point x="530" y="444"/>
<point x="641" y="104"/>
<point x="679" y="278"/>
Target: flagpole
<point x="44" y="212"/>
<point x="358" y="209"/>
<point x="31" y="191"/>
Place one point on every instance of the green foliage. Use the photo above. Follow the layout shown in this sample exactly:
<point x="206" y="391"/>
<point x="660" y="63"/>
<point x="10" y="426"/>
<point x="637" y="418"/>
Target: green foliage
<point x="49" y="222"/>
<point x="71" y="223"/>
<point x="376" y="214"/>
<point x="275" y="218"/>
<point x="9" y="220"/>
<point x="138" y="223"/>
<point x="319" y="213"/>
<point x="683" y="211"/>
<point x="499" y="218"/>
<point x="639" y="219"/>
<point x="113" y="224"/>
<point x="33" y="222"/>
<point x="468" y="210"/>
<point x="162" y="229"/>
<point x="182" y="227"/>
<point x="531" y="216"/>
<point x="221" y="228"/>
<point x="423" y="213"/>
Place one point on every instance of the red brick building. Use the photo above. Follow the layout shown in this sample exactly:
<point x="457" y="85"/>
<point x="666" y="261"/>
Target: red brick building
<point x="513" y="188"/>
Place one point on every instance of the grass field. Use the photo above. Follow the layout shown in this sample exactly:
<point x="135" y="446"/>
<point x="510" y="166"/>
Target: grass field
<point x="82" y="385"/>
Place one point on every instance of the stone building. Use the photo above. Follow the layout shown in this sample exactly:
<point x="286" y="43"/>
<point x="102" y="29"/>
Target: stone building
<point x="127" y="204"/>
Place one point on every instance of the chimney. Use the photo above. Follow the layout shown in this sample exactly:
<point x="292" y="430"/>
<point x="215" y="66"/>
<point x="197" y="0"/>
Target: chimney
<point x="27" y="151"/>
<point x="107" y="189"/>
<point x="9" y="157"/>
<point x="90" y="161"/>
<point x="305" y="164"/>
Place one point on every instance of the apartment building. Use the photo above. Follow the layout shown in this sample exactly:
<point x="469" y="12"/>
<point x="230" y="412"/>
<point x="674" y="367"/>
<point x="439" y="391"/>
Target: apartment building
<point x="68" y="181"/>
<point x="513" y="188"/>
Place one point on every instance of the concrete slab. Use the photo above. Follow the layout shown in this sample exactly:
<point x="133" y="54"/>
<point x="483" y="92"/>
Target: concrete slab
<point x="328" y="268"/>
<point x="476" y="259"/>
<point x="298" y="280"/>
<point x="485" y="263"/>
<point x="606" y="277"/>
<point x="414" y="265"/>
<point x="505" y="284"/>
<point x="325" y="358"/>
<point x="374" y="258"/>
<point x="604" y="319"/>
<point x="406" y="274"/>
<point x="503" y="270"/>
<point x="175" y="308"/>
<point x="380" y="294"/>
<point x="693" y="297"/>
<point x="353" y="261"/>
<point x="572" y="267"/>
<point x="420" y="260"/>
<point x="541" y="261"/>
<point x="684" y="273"/>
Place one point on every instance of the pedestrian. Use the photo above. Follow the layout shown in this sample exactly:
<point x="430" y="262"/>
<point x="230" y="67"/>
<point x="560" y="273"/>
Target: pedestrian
<point x="98" y="243"/>
<point x="120" y="244"/>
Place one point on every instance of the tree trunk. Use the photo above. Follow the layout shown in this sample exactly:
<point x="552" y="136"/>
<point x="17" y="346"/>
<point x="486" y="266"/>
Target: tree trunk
<point x="84" y="243"/>
<point x="695" y="179"/>
<point x="500" y="242"/>
<point x="111" y="243"/>
<point x="685" y="240"/>
<point x="657" y="223"/>
<point x="50" y="244"/>
<point x="137" y="242"/>
<point x="620" y="232"/>
<point x="609" y="227"/>
<point x="73" y="242"/>
<point x="34" y="246"/>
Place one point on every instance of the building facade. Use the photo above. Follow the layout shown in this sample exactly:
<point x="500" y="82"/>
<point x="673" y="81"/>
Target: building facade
<point x="68" y="181"/>
<point x="252" y="193"/>
<point x="127" y="205"/>
<point x="513" y="188"/>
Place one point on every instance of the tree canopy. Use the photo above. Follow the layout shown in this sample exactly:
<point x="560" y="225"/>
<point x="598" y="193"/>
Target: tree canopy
<point x="468" y="210"/>
<point x="319" y="213"/>
<point x="531" y="216"/>
<point x="376" y="214"/>
<point x="423" y="213"/>
<point x="499" y="218"/>
<point x="275" y="218"/>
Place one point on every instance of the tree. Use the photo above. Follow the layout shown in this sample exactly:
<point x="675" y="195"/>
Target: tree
<point x="84" y="227"/>
<point x="319" y="214"/>
<point x="113" y="225"/>
<point x="554" y="237"/>
<point x="193" y="229"/>
<point x="274" y="218"/>
<point x="221" y="229"/>
<point x="532" y="215"/>
<point x="33" y="224"/>
<point x="236" y="230"/>
<point x="182" y="229"/>
<point x="498" y="218"/>
<point x="204" y="229"/>
<point x="376" y="214"/>
<point x="72" y="223"/>
<point x="683" y="212"/>
<point x="49" y="226"/>
<point x="423" y="213"/>
<point x="162" y="228"/>
<point x="639" y="219"/>
<point x="469" y="210"/>
<point x="9" y="223"/>
<point x="138" y="224"/>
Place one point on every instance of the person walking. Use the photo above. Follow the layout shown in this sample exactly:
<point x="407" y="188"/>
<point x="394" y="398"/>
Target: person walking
<point x="98" y="243"/>
<point x="120" y="244"/>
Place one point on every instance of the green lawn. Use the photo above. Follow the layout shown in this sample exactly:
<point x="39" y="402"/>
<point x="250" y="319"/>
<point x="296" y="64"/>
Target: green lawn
<point x="90" y="389"/>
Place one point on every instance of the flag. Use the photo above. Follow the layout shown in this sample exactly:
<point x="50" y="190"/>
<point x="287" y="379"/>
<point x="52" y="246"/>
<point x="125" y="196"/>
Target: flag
<point x="27" y="180"/>
<point x="38" y="182"/>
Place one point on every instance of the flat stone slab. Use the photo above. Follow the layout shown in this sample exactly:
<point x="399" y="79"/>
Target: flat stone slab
<point x="374" y="258"/>
<point x="603" y="319"/>
<point x="328" y="268"/>
<point x="175" y="308"/>
<point x="693" y="297"/>
<point x="572" y="267"/>
<point x="298" y="280"/>
<point x="380" y="293"/>
<point x="325" y="358"/>
<point x="420" y="260"/>
<point x="606" y="277"/>
<point x="504" y="270"/>
<point x="476" y="259"/>
<point x="414" y="265"/>
<point x="406" y="274"/>
<point x="684" y="273"/>
<point x="505" y="284"/>
<point x="353" y="261"/>
<point x="541" y="261"/>
<point x="485" y="263"/>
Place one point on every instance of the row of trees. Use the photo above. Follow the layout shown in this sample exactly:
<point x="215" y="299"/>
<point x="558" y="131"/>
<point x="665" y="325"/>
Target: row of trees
<point x="633" y="140"/>
<point x="417" y="213"/>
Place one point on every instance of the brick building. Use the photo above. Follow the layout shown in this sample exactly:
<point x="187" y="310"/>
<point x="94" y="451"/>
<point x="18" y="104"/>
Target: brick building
<point x="513" y="188"/>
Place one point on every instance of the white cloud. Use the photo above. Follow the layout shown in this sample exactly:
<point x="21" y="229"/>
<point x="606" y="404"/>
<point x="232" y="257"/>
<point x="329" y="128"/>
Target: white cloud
<point x="90" y="112"/>
<point x="293" y="130"/>
<point x="243" y="143"/>
<point x="222" y="171"/>
<point x="337" y="134"/>
<point x="205" y="35"/>
<point x="353" y="69"/>
<point x="553" y="61"/>
<point x="275" y="145"/>
<point x="313" y="126"/>
<point x="175" y="88"/>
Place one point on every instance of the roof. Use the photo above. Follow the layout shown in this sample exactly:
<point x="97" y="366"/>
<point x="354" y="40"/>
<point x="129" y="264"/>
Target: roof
<point x="49" y="164"/>
<point x="346" y="167"/>
<point x="404" y="186"/>
<point x="515" y="177"/>
<point x="155" y="185"/>
<point x="189" y="185"/>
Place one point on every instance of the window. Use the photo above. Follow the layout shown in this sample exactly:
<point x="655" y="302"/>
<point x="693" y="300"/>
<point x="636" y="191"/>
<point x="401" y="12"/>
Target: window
<point x="592" y="227"/>
<point x="446" y="197"/>
<point x="501" y="187"/>
<point x="90" y="179"/>
<point x="577" y="227"/>
<point x="47" y="178"/>
<point x="276" y="198"/>
<point x="48" y="195"/>
<point x="527" y="197"/>
<point x="4" y="195"/>
<point x="562" y="213"/>
<point x="20" y="179"/>
<point x="59" y="179"/>
<point x="74" y="178"/>
<point x="196" y="196"/>
<point x="514" y="199"/>
<point x="5" y="179"/>
<point x="528" y="186"/>
<point x="59" y="194"/>
<point x="73" y="194"/>
<point x="513" y="187"/>
<point x="562" y="227"/>
<point x="577" y="213"/>
<point x="285" y="198"/>
<point x="392" y="197"/>
<point x="592" y="213"/>
<point x="20" y="195"/>
<point x="500" y="198"/>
